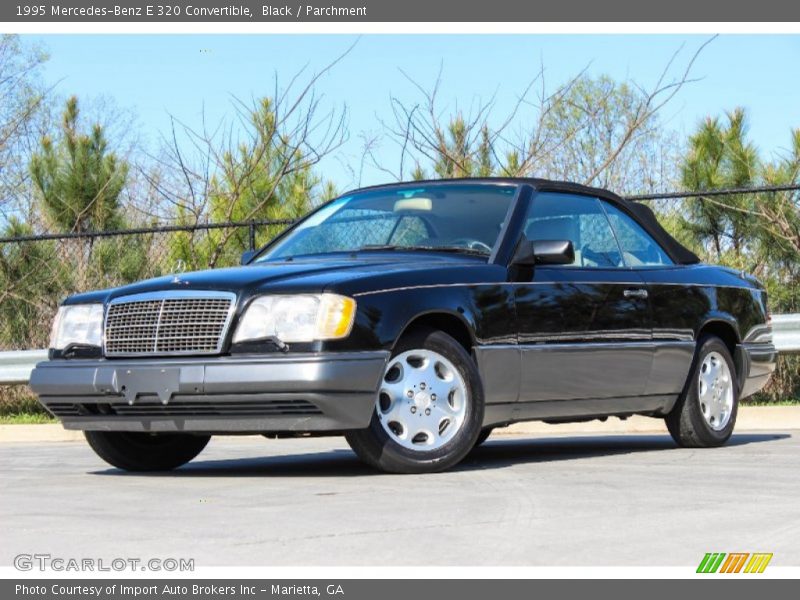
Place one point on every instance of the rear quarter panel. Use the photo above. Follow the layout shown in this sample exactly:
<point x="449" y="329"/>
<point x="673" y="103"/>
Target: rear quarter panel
<point x="685" y="299"/>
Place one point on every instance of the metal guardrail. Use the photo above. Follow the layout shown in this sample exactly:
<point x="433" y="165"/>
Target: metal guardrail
<point x="786" y="333"/>
<point x="16" y="366"/>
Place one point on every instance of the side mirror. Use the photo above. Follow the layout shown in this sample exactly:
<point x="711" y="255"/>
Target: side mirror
<point x="544" y="252"/>
<point x="247" y="256"/>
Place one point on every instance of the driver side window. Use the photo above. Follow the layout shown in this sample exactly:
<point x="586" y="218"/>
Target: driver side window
<point x="579" y="219"/>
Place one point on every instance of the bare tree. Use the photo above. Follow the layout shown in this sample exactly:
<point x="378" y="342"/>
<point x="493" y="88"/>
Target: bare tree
<point x="257" y="165"/>
<point x="593" y="130"/>
<point x="23" y="119"/>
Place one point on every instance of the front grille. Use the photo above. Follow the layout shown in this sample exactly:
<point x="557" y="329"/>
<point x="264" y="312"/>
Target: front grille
<point x="163" y="324"/>
<point x="188" y="408"/>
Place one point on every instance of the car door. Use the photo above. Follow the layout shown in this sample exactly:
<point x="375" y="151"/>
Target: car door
<point x="675" y="306"/>
<point x="583" y="327"/>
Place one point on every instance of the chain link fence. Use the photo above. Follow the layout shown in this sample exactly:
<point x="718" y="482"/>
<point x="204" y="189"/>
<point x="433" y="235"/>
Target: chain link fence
<point x="37" y="272"/>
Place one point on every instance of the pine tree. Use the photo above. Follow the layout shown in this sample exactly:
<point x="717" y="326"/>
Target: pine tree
<point x="720" y="157"/>
<point x="77" y="178"/>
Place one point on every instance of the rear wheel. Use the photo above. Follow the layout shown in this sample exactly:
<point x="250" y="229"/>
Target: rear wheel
<point x="705" y="414"/>
<point x="135" y="451"/>
<point x="429" y="408"/>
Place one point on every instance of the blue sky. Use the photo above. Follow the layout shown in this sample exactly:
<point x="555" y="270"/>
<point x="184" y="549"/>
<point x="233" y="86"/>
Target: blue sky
<point x="155" y="76"/>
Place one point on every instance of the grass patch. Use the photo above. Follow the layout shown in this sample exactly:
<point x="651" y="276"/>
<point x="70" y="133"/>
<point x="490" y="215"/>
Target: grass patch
<point x="18" y="405"/>
<point x="27" y="419"/>
<point x="766" y="402"/>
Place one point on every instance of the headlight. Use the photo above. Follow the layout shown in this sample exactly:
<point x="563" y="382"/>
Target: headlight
<point x="80" y="324"/>
<point x="297" y="318"/>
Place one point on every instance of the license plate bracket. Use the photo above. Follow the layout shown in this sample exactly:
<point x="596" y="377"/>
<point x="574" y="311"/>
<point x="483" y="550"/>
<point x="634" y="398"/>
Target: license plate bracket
<point x="161" y="382"/>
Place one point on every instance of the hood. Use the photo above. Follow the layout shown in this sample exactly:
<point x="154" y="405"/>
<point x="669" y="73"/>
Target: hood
<point x="345" y="275"/>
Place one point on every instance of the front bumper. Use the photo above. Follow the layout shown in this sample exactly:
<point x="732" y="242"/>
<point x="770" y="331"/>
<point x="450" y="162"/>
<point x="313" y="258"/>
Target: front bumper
<point x="244" y="394"/>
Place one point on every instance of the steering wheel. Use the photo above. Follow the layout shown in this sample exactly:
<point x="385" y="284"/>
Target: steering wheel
<point x="472" y="244"/>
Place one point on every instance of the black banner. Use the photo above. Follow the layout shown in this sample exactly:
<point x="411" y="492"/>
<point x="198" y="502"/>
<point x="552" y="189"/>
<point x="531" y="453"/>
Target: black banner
<point x="342" y="11"/>
<point x="389" y="589"/>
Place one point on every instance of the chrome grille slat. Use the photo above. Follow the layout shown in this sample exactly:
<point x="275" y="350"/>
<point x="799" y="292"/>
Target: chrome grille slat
<point x="168" y="323"/>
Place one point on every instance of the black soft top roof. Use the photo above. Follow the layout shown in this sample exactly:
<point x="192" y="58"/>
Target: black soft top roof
<point x="641" y="213"/>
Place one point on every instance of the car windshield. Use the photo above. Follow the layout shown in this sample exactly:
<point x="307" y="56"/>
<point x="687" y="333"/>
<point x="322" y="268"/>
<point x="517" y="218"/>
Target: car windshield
<point x="444" y="217"/>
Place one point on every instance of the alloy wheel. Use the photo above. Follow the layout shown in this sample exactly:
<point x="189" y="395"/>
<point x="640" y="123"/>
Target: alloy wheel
<point x="422" y="401"/>
<point x="715" y="391"/>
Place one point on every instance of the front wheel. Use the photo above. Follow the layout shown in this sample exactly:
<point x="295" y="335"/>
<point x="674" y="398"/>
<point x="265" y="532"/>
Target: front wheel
<point x="705" y="414"/>
<point x="135" y="451"/>
<point x="484" y="435"/>
<point x="429" y="408"/>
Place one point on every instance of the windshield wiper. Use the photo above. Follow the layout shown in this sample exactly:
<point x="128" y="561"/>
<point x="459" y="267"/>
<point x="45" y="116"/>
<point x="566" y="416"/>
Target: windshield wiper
<point x="399" y="248"/>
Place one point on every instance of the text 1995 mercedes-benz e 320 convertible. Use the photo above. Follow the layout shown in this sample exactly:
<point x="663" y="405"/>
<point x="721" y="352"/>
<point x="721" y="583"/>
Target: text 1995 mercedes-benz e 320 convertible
<point x="413" y="318"/>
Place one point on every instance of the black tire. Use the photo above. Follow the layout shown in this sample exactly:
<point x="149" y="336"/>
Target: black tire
<point x="376" y="448"/>
<point x="134" y="451"/>
<point x="484" y="435"/>
<point x="685" y="422"/>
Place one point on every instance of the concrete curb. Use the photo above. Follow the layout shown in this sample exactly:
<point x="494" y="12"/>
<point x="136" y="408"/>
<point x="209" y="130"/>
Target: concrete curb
<point x="751" y="418"/>
<point x="38" y="433"/>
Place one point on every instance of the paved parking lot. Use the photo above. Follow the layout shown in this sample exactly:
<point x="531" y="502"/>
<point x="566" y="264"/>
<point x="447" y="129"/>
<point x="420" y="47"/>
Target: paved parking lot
<point x="560" y="500"/>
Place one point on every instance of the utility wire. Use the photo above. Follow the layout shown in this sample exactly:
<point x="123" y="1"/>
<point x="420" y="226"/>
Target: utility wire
<point x="709" y="193"/>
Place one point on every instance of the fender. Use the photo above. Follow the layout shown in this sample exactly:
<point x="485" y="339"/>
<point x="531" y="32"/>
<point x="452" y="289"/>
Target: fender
<point x="485" y="309"/>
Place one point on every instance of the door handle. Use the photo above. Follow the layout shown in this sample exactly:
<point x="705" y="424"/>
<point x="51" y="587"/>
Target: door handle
<point x="640" y="293"/>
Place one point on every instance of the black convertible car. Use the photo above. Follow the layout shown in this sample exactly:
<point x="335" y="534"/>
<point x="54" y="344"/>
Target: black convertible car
<point x="414" y="318"/>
